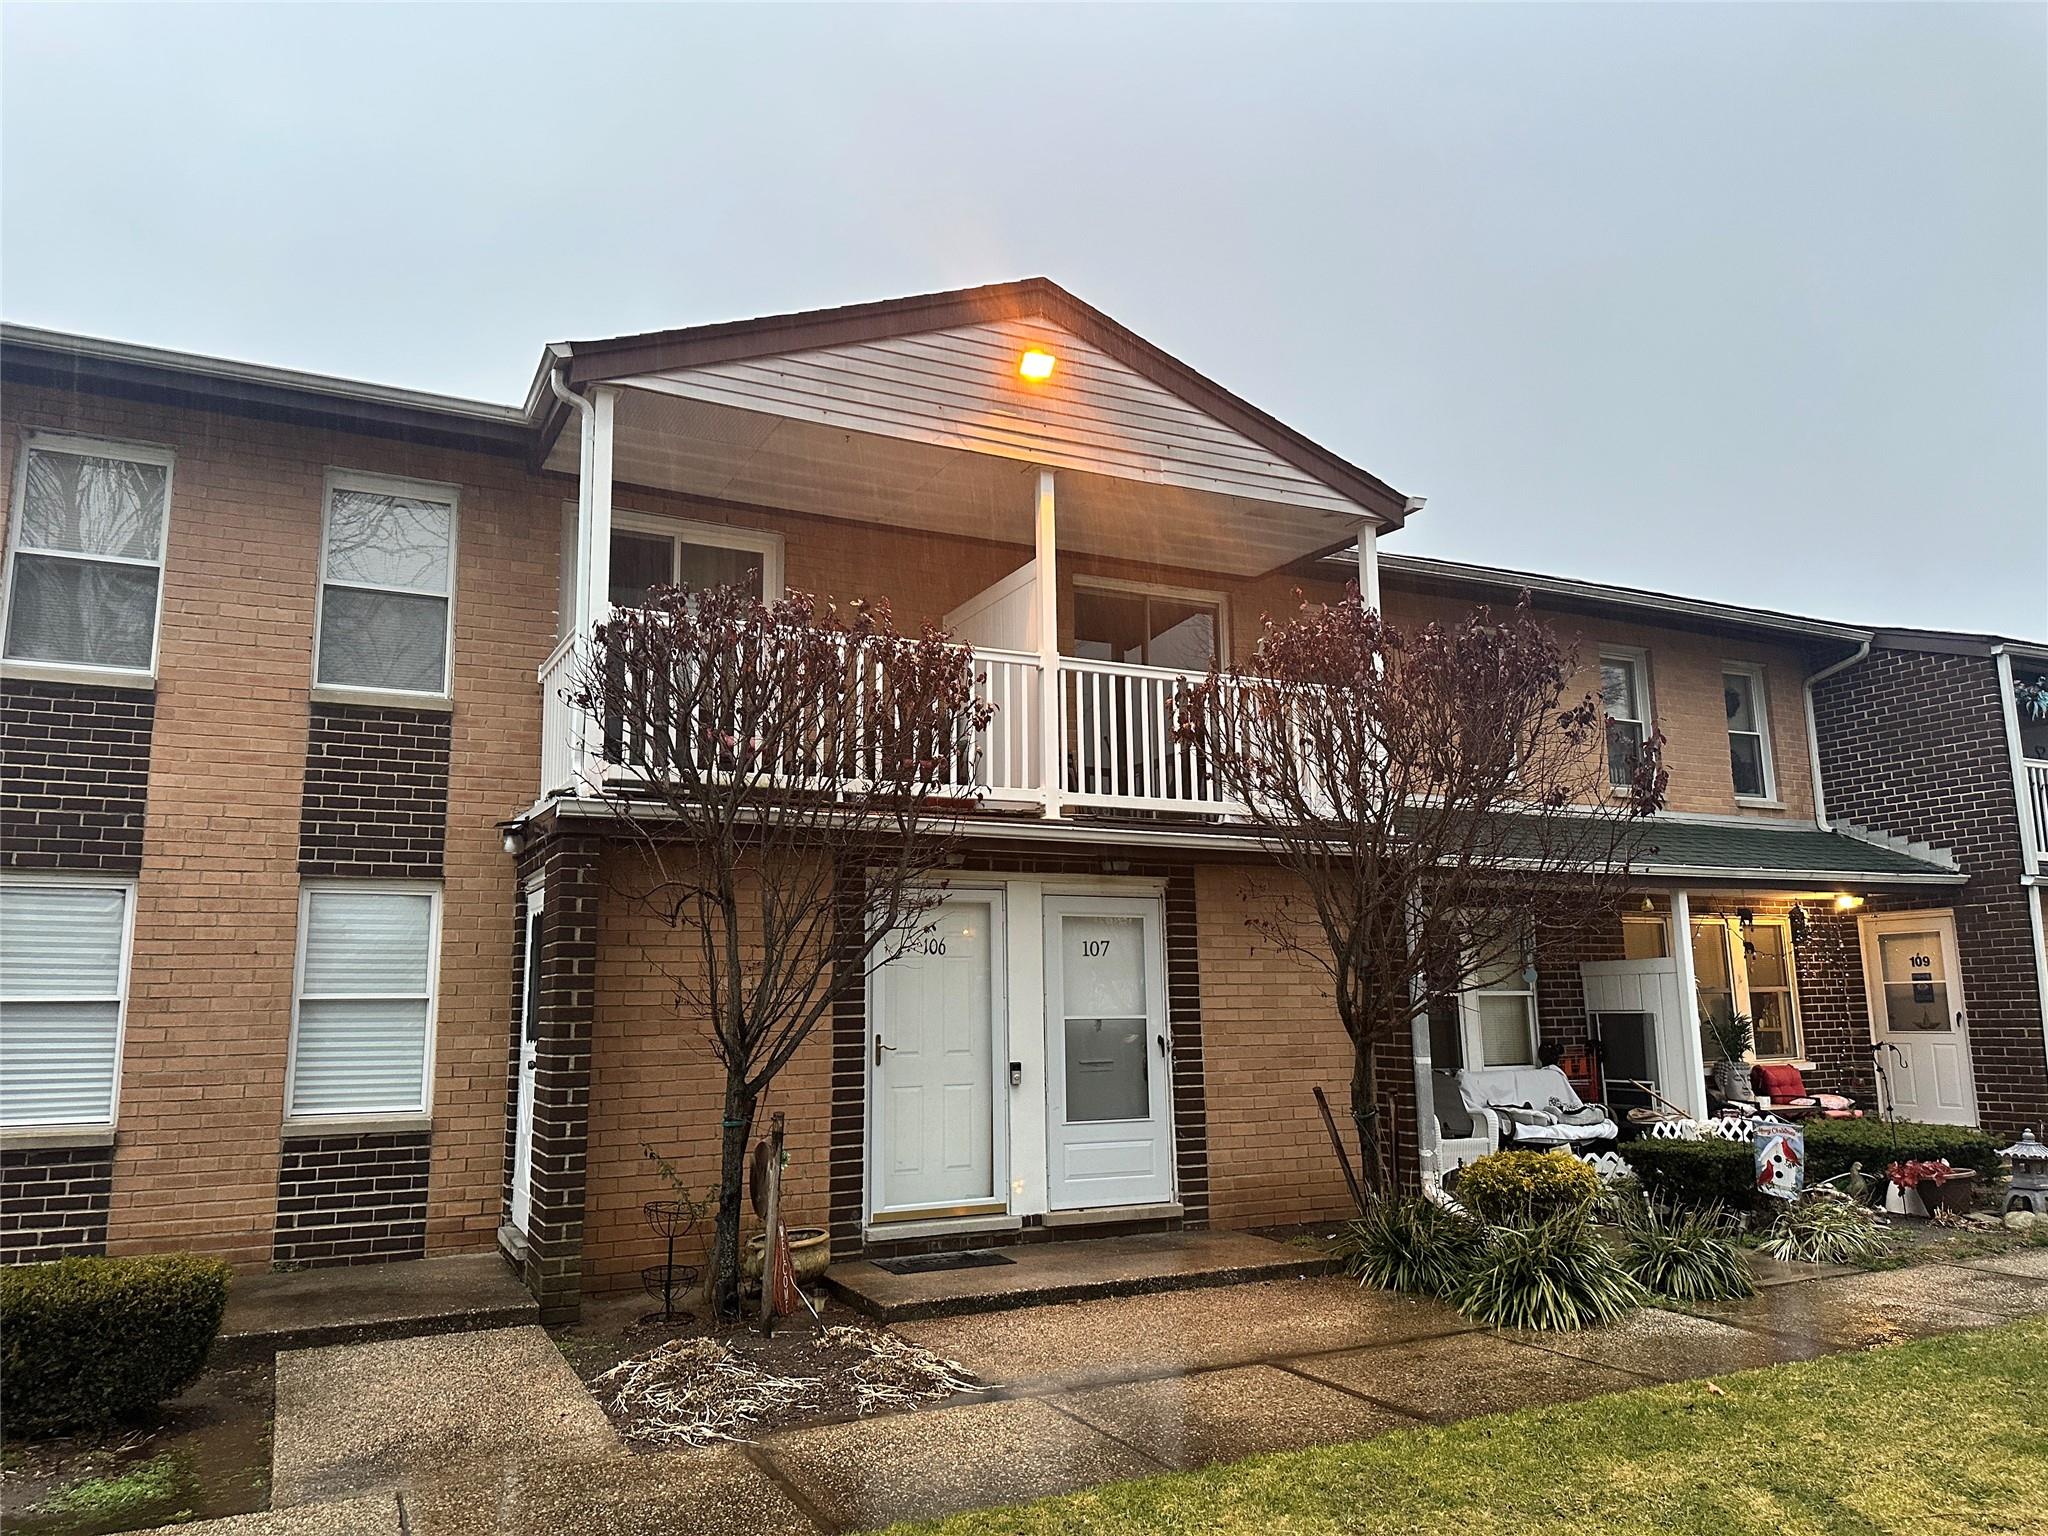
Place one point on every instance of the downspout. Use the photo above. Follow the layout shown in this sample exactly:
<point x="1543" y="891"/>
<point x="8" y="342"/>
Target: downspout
<point x="588" y="414"/>
<point x="1820" y="797"/>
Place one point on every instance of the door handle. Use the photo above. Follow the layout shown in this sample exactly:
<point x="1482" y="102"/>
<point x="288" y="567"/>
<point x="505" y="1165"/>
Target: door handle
<point x="1162" y="1045"/>
<point x="879" y="1047"/>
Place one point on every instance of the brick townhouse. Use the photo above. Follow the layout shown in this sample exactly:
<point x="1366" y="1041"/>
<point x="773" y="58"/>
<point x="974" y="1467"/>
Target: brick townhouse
<point x="307" y="946"/>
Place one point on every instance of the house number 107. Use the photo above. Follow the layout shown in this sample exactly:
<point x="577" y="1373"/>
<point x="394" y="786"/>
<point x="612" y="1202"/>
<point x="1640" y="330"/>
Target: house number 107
<point x="1094" y="948"/>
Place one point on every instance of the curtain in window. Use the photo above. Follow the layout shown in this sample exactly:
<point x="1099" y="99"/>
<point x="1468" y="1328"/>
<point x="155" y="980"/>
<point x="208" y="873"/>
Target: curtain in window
<point x="60" y="1003"/>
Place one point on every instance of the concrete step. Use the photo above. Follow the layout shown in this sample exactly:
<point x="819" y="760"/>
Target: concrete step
<point x="1072" y="1270"/>
<point x="303" y="1309"/>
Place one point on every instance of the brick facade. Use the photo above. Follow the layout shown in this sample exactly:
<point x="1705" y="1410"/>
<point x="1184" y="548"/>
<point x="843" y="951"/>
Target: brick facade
<point x="375" y="802"/>
<point x="1913" y="745"/>
<point x="352" y="1199"/>
<point x="74" y="775"/>
<point x="53" y="1202"/>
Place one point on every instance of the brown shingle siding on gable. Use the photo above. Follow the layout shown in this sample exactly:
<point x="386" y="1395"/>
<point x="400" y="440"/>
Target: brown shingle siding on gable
<point x="376" y="794"/>
<point x="74" y="775"/>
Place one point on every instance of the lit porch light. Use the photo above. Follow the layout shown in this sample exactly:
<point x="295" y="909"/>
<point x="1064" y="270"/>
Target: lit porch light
<point x="1847" y="903"/>
<point x="1036" y="365"/>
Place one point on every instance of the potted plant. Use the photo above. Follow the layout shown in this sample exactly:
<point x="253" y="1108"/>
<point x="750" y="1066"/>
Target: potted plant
<point x="1933" y="1183"/>
<point x="1732" y="1035"/>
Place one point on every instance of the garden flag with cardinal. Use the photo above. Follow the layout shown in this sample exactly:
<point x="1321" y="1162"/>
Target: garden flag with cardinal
<point x="1780" y="1159"/>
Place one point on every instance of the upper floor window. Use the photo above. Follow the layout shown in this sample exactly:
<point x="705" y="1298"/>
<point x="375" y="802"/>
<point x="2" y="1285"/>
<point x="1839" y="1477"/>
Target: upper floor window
<point x="1625" y="699"/>
<point x="1156" y="627"/>
<point x="387" y="576"/>
<point x="1749" y="732"/>
<point x="85" y="578"/>
<point x="652" y="552"/>
<point x="63" y="979"/>
<point x="2030" y="703"/>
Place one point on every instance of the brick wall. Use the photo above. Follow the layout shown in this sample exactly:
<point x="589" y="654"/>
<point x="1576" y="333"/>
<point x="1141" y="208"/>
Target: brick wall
<point x="53" y="1202"/>
<point x="1913" y="744"/>
<point x="375" y="802"/>
<point x="74" y="775"/>
<point x="353" y="1199"/>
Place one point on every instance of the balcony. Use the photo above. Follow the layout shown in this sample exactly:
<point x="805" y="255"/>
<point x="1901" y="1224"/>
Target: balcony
<point x="1112" y="746"/>
<point x="2034" y="789"/>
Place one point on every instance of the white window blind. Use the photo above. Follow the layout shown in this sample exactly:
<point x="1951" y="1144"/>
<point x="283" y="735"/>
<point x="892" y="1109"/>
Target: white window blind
<point x="387" y="571"/>
<point x="60" y="1002"/>
<point x="1501" y="1008"/>
<point x="366" y="974"/>
<point x="88" y="554"/>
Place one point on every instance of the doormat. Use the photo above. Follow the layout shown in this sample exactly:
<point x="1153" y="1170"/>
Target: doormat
<point x="929" y="1263"/>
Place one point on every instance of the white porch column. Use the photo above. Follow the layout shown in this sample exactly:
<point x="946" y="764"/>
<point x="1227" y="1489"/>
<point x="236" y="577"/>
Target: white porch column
<point x="1051" y="695"/>
<point x="1691" y="1094"/>
<point x="597" y="564"/>
<point x="1369" y="564"/>
<point x="1430" y="1174"/>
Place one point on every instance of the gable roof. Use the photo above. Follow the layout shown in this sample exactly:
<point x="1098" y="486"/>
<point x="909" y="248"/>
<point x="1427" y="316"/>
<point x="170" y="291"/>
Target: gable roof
<point x="705" y="346"/>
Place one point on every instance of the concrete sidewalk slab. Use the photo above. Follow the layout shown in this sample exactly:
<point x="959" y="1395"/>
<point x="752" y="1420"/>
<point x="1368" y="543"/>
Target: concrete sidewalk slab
<point x="939" y="1462"/>
<point x="374" y="1516"/>
<point x="1886" y="1306"/>
<point x="1126" y="1337"/>
<point x="364" y="1418"/>
<point x="714" y="1492"/>
<point x="305" y="1309"/>
<point x="1458" y="1377"/>
<point x="1038" y="1274"/>
<point x="2028" y="1263"/>
<point x="1674" y="1346"/>
<point x="1192" y="1421"/>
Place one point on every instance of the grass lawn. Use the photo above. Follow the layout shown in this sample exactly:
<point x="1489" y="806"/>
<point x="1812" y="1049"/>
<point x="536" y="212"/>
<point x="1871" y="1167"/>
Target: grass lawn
<point x="1947" y="1435"/>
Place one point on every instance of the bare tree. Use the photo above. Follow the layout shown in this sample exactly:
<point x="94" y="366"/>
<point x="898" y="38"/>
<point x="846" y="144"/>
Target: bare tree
<point x="793" y="780"/>
<point x="1441" y="804"/>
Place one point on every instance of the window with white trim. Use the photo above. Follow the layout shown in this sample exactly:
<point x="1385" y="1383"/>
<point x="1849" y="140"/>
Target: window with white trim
<point x="387" y="578"/>
<point x="63" y="975"/>
<point x="1499" y="1011"/>
<point x="1748" y="969"/>
<point x="85" y="575"/>
<point x="364" y="1016"/>
<point x="653" y="552"/>
<point x="1749" y="732"/>
<point x="1625" y="701"/>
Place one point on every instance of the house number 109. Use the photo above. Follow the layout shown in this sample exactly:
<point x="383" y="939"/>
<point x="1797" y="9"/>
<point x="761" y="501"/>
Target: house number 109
<point x="1094" y="948"/>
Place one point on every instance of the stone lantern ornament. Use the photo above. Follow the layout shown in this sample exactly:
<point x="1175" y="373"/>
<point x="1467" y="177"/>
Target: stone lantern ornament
<point x="2027" y="1160"/>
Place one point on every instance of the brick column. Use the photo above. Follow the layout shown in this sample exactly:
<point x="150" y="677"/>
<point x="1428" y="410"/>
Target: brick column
<point x="568" y="867"/>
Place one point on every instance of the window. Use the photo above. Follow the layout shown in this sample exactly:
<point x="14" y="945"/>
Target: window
<point x="365" y="1000"/>
<point x="1713" y="975"/>
<point x="387" y="569"/>
<point x="1645" y="937"/>
<point x="1499" y="1009"/>
<point x="1155" y="628"/>
<point x="650" y="552"/>
<point x="84" y="583"/>
<point x="1749" y="739"/>
<point x="1748" y="969"/>
<point x="1625" y="699"/>
<point x="63" y="973"/>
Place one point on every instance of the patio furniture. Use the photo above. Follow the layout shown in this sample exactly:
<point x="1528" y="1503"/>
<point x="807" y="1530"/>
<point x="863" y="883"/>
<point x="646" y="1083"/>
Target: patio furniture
<point x="1460" y="1136"/>
<point x="1531" y="1107"/>
<point x="1782" y="1088"/>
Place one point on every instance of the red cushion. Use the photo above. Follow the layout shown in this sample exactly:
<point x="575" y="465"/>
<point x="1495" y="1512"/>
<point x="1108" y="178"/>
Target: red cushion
<point x="1777" y="1081"/>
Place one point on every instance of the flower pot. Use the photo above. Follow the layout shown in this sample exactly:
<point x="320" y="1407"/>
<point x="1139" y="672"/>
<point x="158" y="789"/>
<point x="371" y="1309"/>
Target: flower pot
<point x="1952" y="1196"/>
<point x="810" y="1252"/>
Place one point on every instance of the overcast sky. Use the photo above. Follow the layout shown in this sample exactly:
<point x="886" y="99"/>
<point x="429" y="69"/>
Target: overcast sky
<point x="1743" y="301"/>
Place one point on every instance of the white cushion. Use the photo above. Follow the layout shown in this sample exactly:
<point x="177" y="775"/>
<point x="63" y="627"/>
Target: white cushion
<point x="1536" y="1086"/>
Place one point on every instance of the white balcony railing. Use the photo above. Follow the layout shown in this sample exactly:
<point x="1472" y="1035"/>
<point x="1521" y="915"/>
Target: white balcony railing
<point x="2037" y="797"/>
<point x="1119" y="748"/>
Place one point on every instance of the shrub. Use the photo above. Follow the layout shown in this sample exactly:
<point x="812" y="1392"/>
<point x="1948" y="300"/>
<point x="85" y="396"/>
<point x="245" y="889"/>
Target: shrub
<point x="1555" y="1275"/>
<point x="1410" y="1244"/>
<point x="1683" y="1253"/>
<point x="1825" y="1226"/>
<point x="1699" y="1173"/>
<point x="1526" y="1186"/>
<point x="1832" y="1146"/>
<point x="90" y="1341"/>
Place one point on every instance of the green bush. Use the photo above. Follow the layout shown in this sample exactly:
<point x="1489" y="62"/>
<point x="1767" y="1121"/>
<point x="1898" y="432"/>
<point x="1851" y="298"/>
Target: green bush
<point x="1825" y="1226"/>
<point x="1697" y="1173"/>
<point x="1555" y="1275"/>
<point x="1526" y="1186"/>
<point x="1683" y="1253"/>
<point x="1832" y="1146"/>
<point x="91" y="1341"/>
<point x="1410" y="1244"/>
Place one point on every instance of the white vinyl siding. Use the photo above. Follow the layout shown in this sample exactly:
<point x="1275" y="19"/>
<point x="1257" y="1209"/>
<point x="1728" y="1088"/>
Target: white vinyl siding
<point x="85" y="573"/>
<point x="63" y="974"/>
<point x="387" y="579"/>
<point x="364" y="1020"/>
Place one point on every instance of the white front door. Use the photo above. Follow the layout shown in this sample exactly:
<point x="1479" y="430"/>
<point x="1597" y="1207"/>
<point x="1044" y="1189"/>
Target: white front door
<point x="1917" y="1017"/>
<point x="529" y="1061"/>
<point x="1109" y="1063"/>
<point x="939" y="1132"/>
<point x="1638" y="1014"/>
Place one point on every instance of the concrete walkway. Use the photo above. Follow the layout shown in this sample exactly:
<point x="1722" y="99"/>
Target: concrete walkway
<point x="492" y="1432"/>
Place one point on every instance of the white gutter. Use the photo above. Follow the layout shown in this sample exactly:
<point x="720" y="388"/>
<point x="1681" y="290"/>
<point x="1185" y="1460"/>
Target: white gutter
<point x="1820" y="798"/>
<point x="579" y="617"/>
